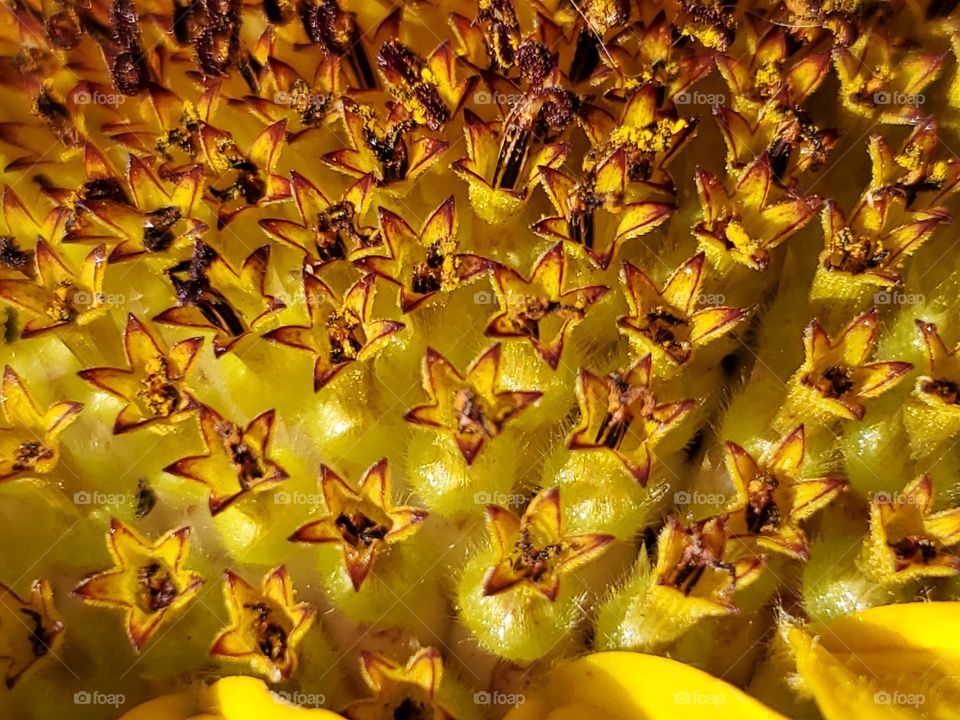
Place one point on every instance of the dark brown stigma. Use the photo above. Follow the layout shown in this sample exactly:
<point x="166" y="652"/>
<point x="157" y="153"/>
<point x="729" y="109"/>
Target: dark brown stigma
<point x="360" y="531"/>
<point x="40" y="637"/>
<point x="156" y="589"/>
<point x="158" y="225"/>
<point x="834" y="382"/>
<point x="271" y="637"/>
<point x="947" y="390"/>
<point x="914" y="548"/>
<point x="762" y="511"/>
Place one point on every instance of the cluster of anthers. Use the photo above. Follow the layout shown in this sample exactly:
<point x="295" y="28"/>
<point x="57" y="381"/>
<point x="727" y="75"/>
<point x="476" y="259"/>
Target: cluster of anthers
<point x="202" y="201"/>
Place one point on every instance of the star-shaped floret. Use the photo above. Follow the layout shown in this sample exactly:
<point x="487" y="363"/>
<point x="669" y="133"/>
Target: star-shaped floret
<point x="30" y="630"/>
<point x="148" y="580"/>
<point x="740" y="223"/>
<point x="579" y="200"/>
<point x="252" y="176"/>
<point x="20" y="229"/>
<point x="695" y="568"/>
<point x="266" y="626"/>
<point x="879" y="237"/>
<point x="495" y="194"/>
<point x="340" y="331"/>
<point x="154" y="382"/>
<point x="772" y="65"/>
<point x="915" y="169"/>
<point x="620" y="413"/>
<point x="469" y="408"/>
<point x="156" y="221"/>
<point x="30" y="437"/>
<point x="428" y="89"/>
<point x="54" y="296"/>
<point x="794" y="143"/>
<point x="537" y="308"/>
<point x="393" y="151"/>
<point x="401" y="690"/>
<point x="211" y="295"/>
<point x="939" y="386"/>
<point x="237" y="461"/>
<point x="666" y="321"/>
<point x="883" y="78"/>
<point x="648" y="52"/>
<point x="533" y="550"/>
<point x="364" y="521"/>
<point x="648" y="136"/>
<point x="773" y="499"/>
<point x="907" y="539"/>
<point x="837" y="373"/>
<point x="328" y="231"/>
<point x="423" y="263"/>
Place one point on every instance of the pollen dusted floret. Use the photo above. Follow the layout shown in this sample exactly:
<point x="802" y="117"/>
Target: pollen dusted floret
<point x="586" y="373"/>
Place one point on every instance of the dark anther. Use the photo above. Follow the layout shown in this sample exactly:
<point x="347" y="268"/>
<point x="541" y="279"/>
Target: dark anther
<point x="12" y="257"/>
<point x="158" y="228"/>
<point x="157" y="589"/>
<point x="358" y="530"/>
<point x="62" y="29"/>
<point x="40" y="637"/>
